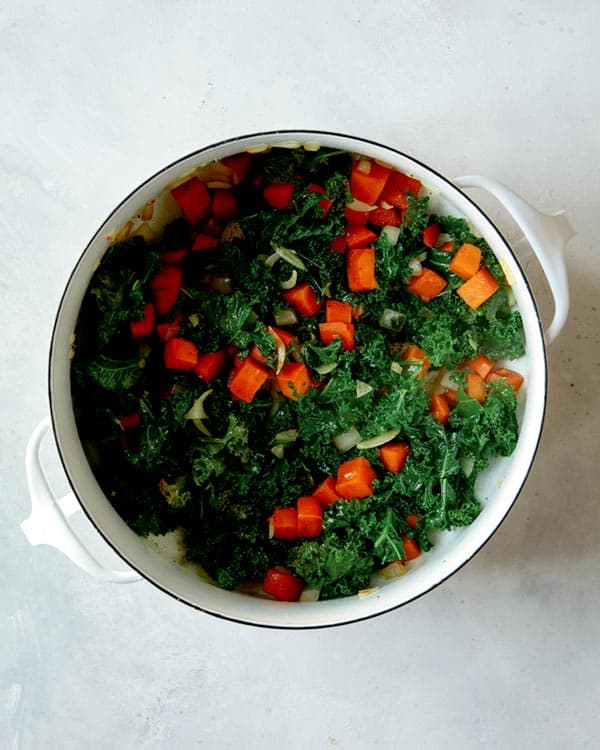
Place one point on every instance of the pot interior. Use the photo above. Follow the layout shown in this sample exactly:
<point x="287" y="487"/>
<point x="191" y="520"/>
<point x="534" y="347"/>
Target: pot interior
<point x="160" y="559"/>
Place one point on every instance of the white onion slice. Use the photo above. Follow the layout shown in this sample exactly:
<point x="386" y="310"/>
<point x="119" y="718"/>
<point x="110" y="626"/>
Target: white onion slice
<point x="291" y="257"/>
<point x="278" y="451"/>
<point x="378" y="440"/>
<point x="259" y="149"/>
<point x="286" y="317"/>
<point x="326" y="369"/>
<point x="272" y="259"/>
<point x="392" y="233"/>
<point x="202" y="427"/>
<point x="310" y="594"/>
<point x="392" y="320"/>
<point x="394" y="569"/>
<point x="279" y="348"/>
<point x="197" y="409"/>
<point x="345" y="441"/>
<point x="448" y="380"/>
<point x="291" y="282"/>
<point x="364" y="166"/>
<point x="356" y="205"/>
<point x="415" y="266"/>
<point x="362" y="388"/>
<point x="287" y="436"/>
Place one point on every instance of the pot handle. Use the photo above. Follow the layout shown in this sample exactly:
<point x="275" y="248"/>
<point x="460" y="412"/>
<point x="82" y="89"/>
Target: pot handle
<point x="547" y="234"/>
<point x="48" y="522"/>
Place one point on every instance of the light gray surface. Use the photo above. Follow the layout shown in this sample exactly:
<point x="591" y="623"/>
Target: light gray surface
<point x="96" y="97"/>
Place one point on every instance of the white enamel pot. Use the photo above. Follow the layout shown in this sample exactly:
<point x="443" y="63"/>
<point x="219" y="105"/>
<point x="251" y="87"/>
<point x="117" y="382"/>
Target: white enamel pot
<point x="497" y="488"/>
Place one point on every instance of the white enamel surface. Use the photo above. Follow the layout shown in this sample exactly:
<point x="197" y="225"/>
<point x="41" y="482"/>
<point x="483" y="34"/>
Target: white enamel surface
<point x="497" y="488"/>
<point x="48" y="522"/>
<point x="547" y="236"/>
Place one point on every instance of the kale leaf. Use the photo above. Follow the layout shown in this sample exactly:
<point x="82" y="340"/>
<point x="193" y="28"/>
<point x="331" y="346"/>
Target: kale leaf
<point x="116" y="374"/>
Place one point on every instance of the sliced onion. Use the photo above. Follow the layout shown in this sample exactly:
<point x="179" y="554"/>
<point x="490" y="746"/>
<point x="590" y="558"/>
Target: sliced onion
<point x="310" y="594"/>
<point x="362" y="388"/>
<point x="197" y="409"/>
<point x="291" y="282"/>
<point x="291" y="257"/>
<point x="378" y="440"/>
<point x="279" y="348"/>
<point x="286" y="317"/>
<point x="311" y="146"/>
<point x="272" y="259"/>
<point x="259" y="149"/>
<point x="363" y="166"/>
<point x="326" y="369"/>
<point x="202" y="427"/>
<point x="361" y="206"/>
<point x="415" y="266"/>
<point x="385" y="204"/>
<point x="278" y="450"/>
<point x="194" y="319"/>
<point x="397" y="368"/>
<point x="219" y="185"/>
<point x="431" y="382"/>
<point x="144" y="231"/>
<point x="216" y="170"/>
<point x="287" y="436"/>
<point x="394" y="570"/>
<point x="392" y="233"/>
<point x="447" y="380"/>
<point x="358" y="311"/>
<point x="467" y="464"/>
<point x="345" y="441"/>
<point x="392" y="320"/>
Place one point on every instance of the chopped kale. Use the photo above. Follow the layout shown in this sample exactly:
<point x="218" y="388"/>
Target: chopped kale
<point x="115" y="374"/>
<point x="221" y="476"/>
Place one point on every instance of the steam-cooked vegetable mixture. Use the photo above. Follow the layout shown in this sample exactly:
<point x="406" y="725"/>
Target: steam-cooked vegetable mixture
<point x="301" y="372"/>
